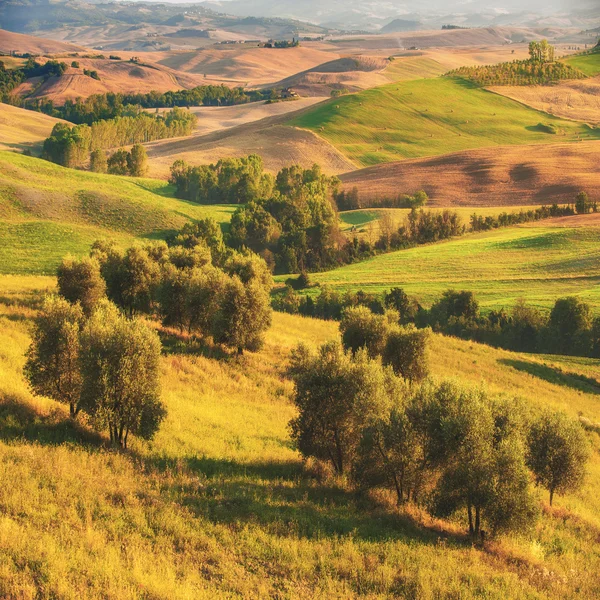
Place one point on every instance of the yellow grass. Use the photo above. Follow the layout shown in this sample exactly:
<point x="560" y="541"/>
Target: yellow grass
<point x="217" y="506"/>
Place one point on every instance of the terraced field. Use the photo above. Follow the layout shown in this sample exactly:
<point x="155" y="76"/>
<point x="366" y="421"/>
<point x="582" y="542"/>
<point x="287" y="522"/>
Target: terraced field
<point x="431" y="117"/>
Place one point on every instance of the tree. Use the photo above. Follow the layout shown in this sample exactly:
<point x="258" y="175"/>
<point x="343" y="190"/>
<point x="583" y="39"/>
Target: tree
<point x="81" y="281"/>
<point x="406" y="352"/>
<point x="337" y="395"/>
<point x="558" y="451"/>
<point x="582" y="204"/>
<point x="137" y="161"/>
<point x="361" y="328"/>
<point x="475" y="444"/>
<point x="52" y="366"/>
<point x="117" y="163"/>
<point x="98" y="162"/>
<point x="569" y="318"/>
<point x="460" y="305"/>
<point x="244" y="315"/>
<point x="398" y="300"/>
<point x="120" y="367"/>
<point x="139" y="276"/>
<point x="390" y="455"/>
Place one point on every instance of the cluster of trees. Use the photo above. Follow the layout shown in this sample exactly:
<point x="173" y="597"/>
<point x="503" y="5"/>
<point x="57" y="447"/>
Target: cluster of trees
<point x="97" y="361"/>
<point x="541" y="52"/>
<point x="195" y="284"/>
<point x="121" y="162"/>
<point x="289" y="219"/>
<point x="539" y="69"/>
<point x="283" y="43"/>
<point x="98" y="107"/>
<point x="71" y="146"/>
<point x="451" y="449"/>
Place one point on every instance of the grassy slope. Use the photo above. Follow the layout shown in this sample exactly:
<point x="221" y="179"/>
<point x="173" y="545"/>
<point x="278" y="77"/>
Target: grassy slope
<point x="217" y="505"/>
<point x="429" y="117"/>
<point x="47" y="211"/>
<point x="537" y="263"/>
<point x="588" y="63"/>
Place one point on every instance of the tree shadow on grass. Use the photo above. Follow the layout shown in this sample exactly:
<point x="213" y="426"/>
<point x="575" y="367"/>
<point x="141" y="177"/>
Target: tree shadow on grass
<point x="20" y="421"/>
<point x="283" y="500"/>
<point x="555" y="375"/>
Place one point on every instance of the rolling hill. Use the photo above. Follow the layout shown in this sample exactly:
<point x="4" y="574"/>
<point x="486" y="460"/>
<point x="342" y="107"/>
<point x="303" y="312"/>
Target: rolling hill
<point x="510" y="175"/>
<point x="430" y="117"/>
<point x="22" y="129"/>
<point x="47" y="211"/>
<point x="22" y="43"/>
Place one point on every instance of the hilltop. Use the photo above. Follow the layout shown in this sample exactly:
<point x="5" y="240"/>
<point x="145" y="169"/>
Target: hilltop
<point x="23" y="129"/>
<point x="22" y="43"/>
<point x="429" y="117"/>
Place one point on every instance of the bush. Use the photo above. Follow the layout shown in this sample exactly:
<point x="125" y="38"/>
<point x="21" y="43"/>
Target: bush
<point x="81" y="281"/>
<point x="361" y="329"/>
<point x="406" y="352"/>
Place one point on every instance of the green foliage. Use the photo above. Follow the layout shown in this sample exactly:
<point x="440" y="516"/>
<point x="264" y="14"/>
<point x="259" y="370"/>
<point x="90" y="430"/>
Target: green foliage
<point x="117" y="162"/>
<point x="69" y="146"/>
<point x="457" y="305"/>
<point x="336" y="396"/>
<point x="81" y="281"/>
<point x="98" y="161"/>
<point x="569" y="318"/>
<point x="558" y="451"/>
<point x="52" y="367"/>
<point x="397" y="299"/>
<point x="406" y="352"/>
<point x="362" y="329"/>
<point x="137" y="161"/>
<point x="121" y="375"/>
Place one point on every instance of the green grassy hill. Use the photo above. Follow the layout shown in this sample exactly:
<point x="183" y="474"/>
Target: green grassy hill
<point x="429" y="117"/>
<point x="47" y="211"/>
<point x="219" y="506"/>
<point x="539" y="263"/>
<point x="588" y="63"/>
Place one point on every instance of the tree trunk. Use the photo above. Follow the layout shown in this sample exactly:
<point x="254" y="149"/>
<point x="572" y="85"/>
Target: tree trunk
<point x="551" y="495"/>
<point x="470" y="512"/>
<point x="477" y="520"/>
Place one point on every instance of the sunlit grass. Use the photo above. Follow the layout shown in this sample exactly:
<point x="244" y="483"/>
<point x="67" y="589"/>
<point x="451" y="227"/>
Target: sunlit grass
<point x="218" y="506"/>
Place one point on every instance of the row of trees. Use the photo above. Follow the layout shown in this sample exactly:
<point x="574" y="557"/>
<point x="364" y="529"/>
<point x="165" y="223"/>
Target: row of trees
<point x="11" y="78"/>
<point x="350" y="200"/>
<point x="451" y="449"/>
<point x="99" y="107"/>
<point x="71" y="146"/>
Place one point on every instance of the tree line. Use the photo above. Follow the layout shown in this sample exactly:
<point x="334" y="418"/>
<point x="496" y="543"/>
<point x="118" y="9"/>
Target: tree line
<point x="110" y="105"/>
<point x="70" y="146"/>
<point x="451" y="449"/>
<point x="569" y="328"/>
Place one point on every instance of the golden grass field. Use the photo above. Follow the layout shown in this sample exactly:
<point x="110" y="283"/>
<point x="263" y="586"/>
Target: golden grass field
<point x="24" y="130"/>
<point x="249" y="129"/>
<point x="509" y="175"/>
<point x="219" y="506"/>
<point x="578" y="100"/>
<point x="11" y="41"/>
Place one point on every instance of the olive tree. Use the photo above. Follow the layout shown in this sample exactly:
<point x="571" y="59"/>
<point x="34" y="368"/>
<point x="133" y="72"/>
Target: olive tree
<point x="81" y="281"/>
<point x="52" y="366"/>
<point x="244" y="315"/>
<point x="121" y="375"/>
<point x="337" y="395"/>
<point x="361" y="328"/>
<point x="406" y="351"/>
<point x="558" y="451"/>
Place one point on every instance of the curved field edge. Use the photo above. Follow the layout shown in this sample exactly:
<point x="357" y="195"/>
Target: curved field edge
<point x="429" y="117"/>
<point x="217" y="507"/>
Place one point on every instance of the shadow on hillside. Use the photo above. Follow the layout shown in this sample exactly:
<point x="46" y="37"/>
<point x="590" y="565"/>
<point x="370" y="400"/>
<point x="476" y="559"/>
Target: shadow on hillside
<point x="174" y="342"/>
<point x="282" y="499"/>
<point x="555" y="375"/>
<point x="20" y="421"/>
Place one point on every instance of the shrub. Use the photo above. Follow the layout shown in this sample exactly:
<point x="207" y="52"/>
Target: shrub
<point x="81" y="281"/>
